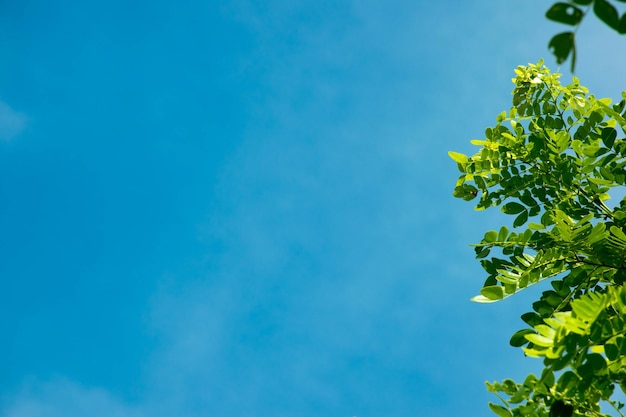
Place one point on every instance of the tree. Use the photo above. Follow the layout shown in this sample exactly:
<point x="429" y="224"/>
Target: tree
<point x="572" y="14"/>
<point x="553" y="161"/>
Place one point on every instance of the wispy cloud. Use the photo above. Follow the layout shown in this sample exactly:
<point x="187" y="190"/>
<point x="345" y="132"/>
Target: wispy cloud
<point x="12" y="122"/>
<point x="65" y="398"/>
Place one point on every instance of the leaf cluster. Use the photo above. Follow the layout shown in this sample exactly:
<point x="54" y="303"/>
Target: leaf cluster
<point x="572" y="13"/>
<point x="552" y="161"/>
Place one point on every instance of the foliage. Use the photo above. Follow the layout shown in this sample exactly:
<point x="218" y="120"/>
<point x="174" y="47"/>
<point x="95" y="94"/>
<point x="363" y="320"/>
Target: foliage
<point x="572" y="13"/>
<point x="552" y="162"/>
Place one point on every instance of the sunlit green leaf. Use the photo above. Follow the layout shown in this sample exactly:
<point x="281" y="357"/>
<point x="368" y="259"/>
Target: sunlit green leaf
<point x="503" y="234"/>
<point x="482" y="299"/>
<point x="499" y="410"/>
<point x="539" y="340"/>
<point x="618" y="233"/>
<point x="494" y="292"/>
<point x="458" y="157"/>
<point x="491" y="236"/>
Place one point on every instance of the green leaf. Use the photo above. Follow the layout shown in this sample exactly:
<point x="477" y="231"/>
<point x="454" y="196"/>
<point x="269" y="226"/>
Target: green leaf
<point x="618" y="233"/>
<point x="567" y="381"/>
<point x="503" y="234"/>
<point x="482" y="299"/>
<point x="608" y="136"/>
<point x="509" y="386"/>
<point x="596" y="362"/>
<point x="493" y="292"/>
<point x="465" y="191"/>
<point x="536" y="226"/>
<point x="513" y="208"/>
<point x="539" y="340"/>
<point x="561" y="45"/>
<point x="547" y="378"/>
<point x="532" y="318"/>
<point x="565" y="13"/>
<point x="491" y="236"/>
<point x="521" y="219"/>
<point x="458" y="157"/>
<point x="527" y="199"/>
<point x="612" y="351"/>
<point x="607" y="13"/>
<point x="518" y="339"/>
<point x="499" y="410"/>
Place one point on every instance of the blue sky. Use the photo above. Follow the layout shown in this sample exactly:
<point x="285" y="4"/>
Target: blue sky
<point x="243" y="208"/>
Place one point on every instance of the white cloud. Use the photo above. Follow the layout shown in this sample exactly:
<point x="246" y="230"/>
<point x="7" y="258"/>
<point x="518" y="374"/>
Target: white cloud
<point x="12" y="123"/>
<point x="64" y="398"/>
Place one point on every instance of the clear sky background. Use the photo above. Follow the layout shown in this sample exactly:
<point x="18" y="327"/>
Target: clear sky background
<point x="243" y="208"/>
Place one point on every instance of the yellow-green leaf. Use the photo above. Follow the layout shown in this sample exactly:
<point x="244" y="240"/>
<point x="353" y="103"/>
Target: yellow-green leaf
<point x="458" y="157"/>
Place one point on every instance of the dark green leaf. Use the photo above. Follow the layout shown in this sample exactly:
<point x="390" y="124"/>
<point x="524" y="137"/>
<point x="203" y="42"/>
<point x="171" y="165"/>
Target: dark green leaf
<point x="512" y="208"/>
<point x="521" y="219"/>
<point x="560" y="409"/>
<point x="568" y="410"/>
<point x="597" y="362"/>
<point x="518" y="339"/>
<point x="561" y="289"/>
<point x="607" y="13"/>
<point x="593" y="365"/>
<point x="565" y="13"/>
<point x="612" y="352"/>
<point x="535" y="210"/>
<point x="532" y="319"/>
<point x="608" y="136"/>
<point x="552" y="298"/>
<point x="543" y="308"/>
<point x="527" y="199"/>
<point x="561" y="46"/>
